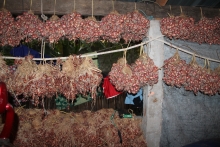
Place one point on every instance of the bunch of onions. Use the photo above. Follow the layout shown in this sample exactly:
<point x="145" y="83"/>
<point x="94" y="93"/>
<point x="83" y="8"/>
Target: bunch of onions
<point x="90" y="129"/>
<point x="53" y="29"/>
<point x="135" y="26"/>
<point x="175" y="71"/>
<point x="8" y="30"/>
<point x="29" y="26"/>
<point x="69" y="67"/>
<point x="182" y="27"/>
<point x="209" y="82"/>
<point x="121" y="74"/>
<point x="43" y="83"/>
<point x="26" y="71"/>
<point x="91" y="30"/>
<point x="112" y="26"/>
<point x="145" y="71"/>
<point x="88" y="77"/>
<point x="71" y="24"/>
<point x="179" y="27"/>
<point x="194" y="76"/>
<point x="203" y="30"/>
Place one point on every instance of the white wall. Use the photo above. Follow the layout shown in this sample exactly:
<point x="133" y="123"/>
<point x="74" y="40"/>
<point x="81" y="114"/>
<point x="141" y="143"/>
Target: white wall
<point x="152" y="115"/>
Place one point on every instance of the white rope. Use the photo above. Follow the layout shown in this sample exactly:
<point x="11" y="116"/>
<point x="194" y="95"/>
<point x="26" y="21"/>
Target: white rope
<point x="119" y="50"/>
<point x="188" y="52"/>
<point x="44" y="17"/>
<point x="89" y="55"/>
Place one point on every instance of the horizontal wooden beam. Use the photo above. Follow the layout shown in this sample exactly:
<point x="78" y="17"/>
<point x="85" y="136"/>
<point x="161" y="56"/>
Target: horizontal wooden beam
<point x="103" y="7"/>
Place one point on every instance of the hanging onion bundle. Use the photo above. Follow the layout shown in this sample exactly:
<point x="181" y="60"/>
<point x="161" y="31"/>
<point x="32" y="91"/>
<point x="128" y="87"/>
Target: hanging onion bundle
<point x="88" y="77"/>
<point x="91" y="30"/>
<point x="53" y="29"/>
<point x="8" y="30"/>
<point x="72" y="25"/>
<point x="203" y="31"/>
<point x="209" y="82"/>
<point x="194" y="76"/>
<point x="121" y="74"/>
<point x="29" y="26"/>
<point x="69" y="67"/>
<point x="135" y="26"/>
<point x="175" y="71"/>
<point x="179" y="27"/>
<point x="25" y="73"/>
<point x="216" y="32"/>
<point x="112" y="26"/>
<point x="43" y="83"/>
<point x="182" y="27"/>
<point x="145" y="71"/>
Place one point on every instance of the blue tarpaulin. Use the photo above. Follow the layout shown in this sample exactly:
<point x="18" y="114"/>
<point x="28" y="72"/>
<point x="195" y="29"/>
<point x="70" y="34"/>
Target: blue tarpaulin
<point x="22" y="51"/>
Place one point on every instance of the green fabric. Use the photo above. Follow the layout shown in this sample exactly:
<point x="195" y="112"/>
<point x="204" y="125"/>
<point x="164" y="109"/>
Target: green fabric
<point x="80" y="100"/>
<point x="61" y="103"/>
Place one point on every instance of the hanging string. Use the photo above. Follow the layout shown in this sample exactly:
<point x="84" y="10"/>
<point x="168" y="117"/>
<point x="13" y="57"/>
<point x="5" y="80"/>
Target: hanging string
<point x="141" y="50"/>
<point x="74" y="5"/>
<point x="181" y="11"/>
<point x="92" y="8"/>
<point x="170" y="14"/>
<point x="135" y="6"/>
<point x="171" y="10"/>
<point x="188" y="52"/>
<point x="41" y="50"/>
<point x="125" y="51"/>
<point x="113" y="5"/>
<point x="4" y="4"/>
<point x="122" y="49"/>
<point x="42" y="14"/>
<point x="205" y="65"/>
<point x="93" y="54"/>
<point x="30" y="4"/>
<point x="201" y="12"/>
<point x="54" y="9"/>
<point x="208" y="63"/>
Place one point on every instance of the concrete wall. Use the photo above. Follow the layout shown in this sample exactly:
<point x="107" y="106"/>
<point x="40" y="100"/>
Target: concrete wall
<point x="174" y="117"/>
<point x="153" y="96"/>
<point x="187" y="117"/>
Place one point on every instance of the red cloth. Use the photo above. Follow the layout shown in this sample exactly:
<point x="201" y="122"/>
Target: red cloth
<point x="109" y="89"/>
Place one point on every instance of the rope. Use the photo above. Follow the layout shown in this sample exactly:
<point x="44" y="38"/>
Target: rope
<point x="123" y="49"/>
<point x="92" y="8"/>
<point x="92" y="54"/>
<point x="54" y="8"/>
<point x="181" y="11"/>
<point x="42" y="14"/>
<point x="188" y="52"/>
<point x="135" y="6"/>
<point x="201" y="12"/>
<point x="74" y="5"/>
<point x="41" y="50"/>
<point x="170" y="10"/>
<point x="30" y="4"/>
<point x="4" y="4"/>
<point x="113" y="5"/>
